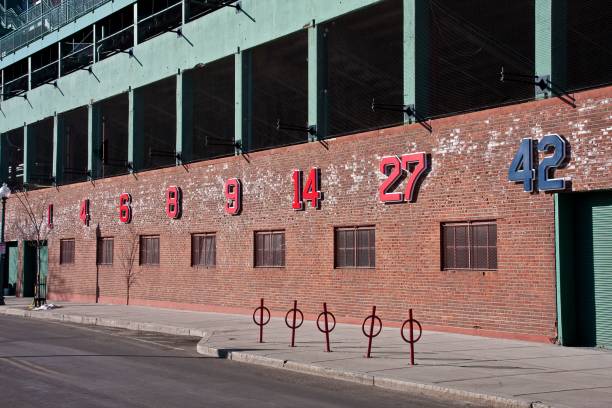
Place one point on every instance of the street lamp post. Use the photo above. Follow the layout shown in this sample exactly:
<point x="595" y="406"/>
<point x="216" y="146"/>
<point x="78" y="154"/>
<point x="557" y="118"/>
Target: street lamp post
<point x="5" y="192"/>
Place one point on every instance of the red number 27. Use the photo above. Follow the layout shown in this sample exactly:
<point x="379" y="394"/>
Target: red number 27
<point x="396" y="168"/>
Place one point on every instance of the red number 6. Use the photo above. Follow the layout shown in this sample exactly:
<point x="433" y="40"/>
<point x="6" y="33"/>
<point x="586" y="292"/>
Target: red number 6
<point x="125" y="208"/>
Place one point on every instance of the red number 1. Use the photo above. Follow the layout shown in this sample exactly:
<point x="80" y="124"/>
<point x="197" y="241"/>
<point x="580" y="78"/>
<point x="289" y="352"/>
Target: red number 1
<point x="84" y="213"/>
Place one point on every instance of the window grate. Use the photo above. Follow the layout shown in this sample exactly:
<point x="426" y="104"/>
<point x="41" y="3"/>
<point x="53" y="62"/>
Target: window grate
<point x="469" y="245"/>
<point x="270" y="249"/>
<point x="149" y="250"/>
<point x="66" y="251"/>
<point x="105" y="251"/>
<point x="204" y="250"/>
<point x="355" y="247"/>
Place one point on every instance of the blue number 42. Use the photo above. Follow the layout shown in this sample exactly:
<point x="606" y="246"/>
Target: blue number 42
<point x="522" y="169"/>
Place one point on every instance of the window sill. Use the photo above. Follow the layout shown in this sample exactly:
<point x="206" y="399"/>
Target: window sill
<point x="469" y="270"/>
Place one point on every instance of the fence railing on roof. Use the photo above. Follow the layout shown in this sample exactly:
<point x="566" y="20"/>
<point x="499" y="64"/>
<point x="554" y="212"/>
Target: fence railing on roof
<point x="43" y="18"/>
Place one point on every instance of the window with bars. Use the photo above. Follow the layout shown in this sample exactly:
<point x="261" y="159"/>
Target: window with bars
<point x="105" y="251"/>
<point x="204" y="250"/>
<point x="66" y="251"/>
<point x="270" y="248"/>
<point x="469" y="245"/>
<point x="149" y="250"/>
<point x="355" y="247"/>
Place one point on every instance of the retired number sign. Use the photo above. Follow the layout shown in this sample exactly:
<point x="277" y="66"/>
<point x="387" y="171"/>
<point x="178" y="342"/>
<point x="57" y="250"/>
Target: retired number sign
<point x="523" y="170"/>
<point x="396" y="168"/>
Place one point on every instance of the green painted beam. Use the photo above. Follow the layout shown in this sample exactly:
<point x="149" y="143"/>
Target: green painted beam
<point x="184" y="117"/>
<point x="28" y="153"/>
<point x="57" y="170"/>
<point x="3" y="160"/>
<point x="94" y="141"/>
<point x="316" y="82"/>
<point x="135" y="131"/>
<point x="416" y="55"/>
<point x="243" y="100"/>
<point x="543" y="40"/>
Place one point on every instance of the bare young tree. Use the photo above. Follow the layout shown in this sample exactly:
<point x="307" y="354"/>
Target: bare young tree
<point x="127" y="258"/>
<point x="31" y="227"/>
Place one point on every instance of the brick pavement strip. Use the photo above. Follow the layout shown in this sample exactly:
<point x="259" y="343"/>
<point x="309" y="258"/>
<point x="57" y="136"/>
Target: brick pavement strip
<point x="495" y="372"/>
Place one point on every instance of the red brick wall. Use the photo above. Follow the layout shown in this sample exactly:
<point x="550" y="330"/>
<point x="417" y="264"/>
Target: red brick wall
<point x="468" y="181"/>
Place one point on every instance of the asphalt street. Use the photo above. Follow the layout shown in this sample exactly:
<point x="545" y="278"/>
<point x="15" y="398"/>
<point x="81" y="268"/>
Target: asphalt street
<point x="49" y="364"/>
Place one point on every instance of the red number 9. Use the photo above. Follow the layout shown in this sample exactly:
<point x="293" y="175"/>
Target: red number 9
<point x="233" y="195"/>
<point x="125" y="209"/>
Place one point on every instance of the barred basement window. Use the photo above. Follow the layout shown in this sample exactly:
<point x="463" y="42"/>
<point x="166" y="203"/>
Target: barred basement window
<point x="66" y="251"/>
<point x="270" y="248"/>
<point x="469" y="245"/>
<point x="149" y="250"/>
<point x="355" y="247"/>
<point x="204" y="250"/>
<point x="105" y="251"/>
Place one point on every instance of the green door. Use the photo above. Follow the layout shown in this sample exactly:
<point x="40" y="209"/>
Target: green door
<point x="593" y="216"/>
<point x="13" y="261"/>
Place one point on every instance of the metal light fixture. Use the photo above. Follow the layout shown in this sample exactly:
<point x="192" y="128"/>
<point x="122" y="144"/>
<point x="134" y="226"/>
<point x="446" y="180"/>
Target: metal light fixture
<point x="5" y="193"/>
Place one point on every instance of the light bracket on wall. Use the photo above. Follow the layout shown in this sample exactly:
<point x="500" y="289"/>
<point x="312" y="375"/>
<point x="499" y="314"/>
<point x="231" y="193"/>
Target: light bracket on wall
<point x="311" y="130"/>
<point x="542" y="83"/>
<point x="88" y="69"/>
<point x="129" y="51"/>
<point x="408" y="110"/>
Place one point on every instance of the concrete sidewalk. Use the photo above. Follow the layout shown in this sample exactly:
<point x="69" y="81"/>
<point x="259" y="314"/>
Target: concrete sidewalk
<point x="491" y="372"/>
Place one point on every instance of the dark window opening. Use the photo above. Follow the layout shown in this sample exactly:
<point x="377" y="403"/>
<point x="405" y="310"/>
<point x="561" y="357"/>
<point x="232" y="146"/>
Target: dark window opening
<point x="40" y="161"/>
<point x="105" y="251"/>
<point x="66" y="251"/>
<point x="199" y="8"/>
<point x="15" y="79"/>
<point x="77" y="51"/>
<point x="469" y="245"/>
<point x="469" y="43"/>
<point x="45" y="66"/>
<point x="74" y="135"/>
<point x="213" y="108"/>
<point x="113" y="118"/>
<point x="149" y="250"/>
<point x="12" y="150"/>
<point x="203" y="250"/>
<point x="115" y="33"/>
<point x="355" y="247"/>
<point x="587" y="30"/>
<point x="158" y="102"/>
<point x="157" y="17"/>
<point x="279" y="91"/>
<point x="365" y="54"/>
<point x="270" y="249"/>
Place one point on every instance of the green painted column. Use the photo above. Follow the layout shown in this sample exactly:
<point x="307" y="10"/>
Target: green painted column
<point x="57" y="170"/>
<point x="416" y="55"/>
<point x="243" y="100"/>
<point x="94" y="142"/>
<point x="135" y="131"/>
<point x="184" y="117"/>
<point x="551" y="42"/>
<point x="317" y="101"/>
<point x="3" y="159"/>
<point x="28" y="153"/>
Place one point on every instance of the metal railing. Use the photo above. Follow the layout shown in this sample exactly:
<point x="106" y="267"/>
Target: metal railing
<point x="44" y="18"/>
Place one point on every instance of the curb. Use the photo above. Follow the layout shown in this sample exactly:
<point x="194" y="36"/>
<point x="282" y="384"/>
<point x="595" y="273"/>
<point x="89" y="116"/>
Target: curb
<point x="101" y="321"/>
<point x="203" y="348"/>
<point x="428" y="390"/>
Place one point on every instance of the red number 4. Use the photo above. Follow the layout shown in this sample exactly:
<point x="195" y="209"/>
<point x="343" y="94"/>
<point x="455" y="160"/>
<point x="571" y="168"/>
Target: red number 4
<point x="84" y="212"/>
<point x="395" y="168"/>
<point x="309" y="192"/>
